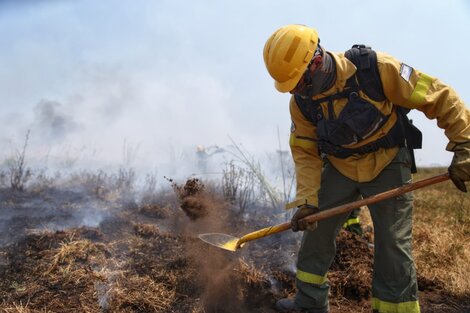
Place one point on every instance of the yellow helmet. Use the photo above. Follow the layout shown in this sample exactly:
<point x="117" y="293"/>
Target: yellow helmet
<point x="287" y="53"/>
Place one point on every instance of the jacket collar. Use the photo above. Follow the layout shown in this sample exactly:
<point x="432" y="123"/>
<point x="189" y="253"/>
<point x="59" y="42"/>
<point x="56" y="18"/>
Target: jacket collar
<point x="344" y="70"/>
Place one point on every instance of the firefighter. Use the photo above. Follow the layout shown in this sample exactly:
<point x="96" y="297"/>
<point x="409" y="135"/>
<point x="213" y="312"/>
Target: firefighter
<point x="203" y="154"/>
<point x="202" y="157"/>
<point x="351" y="138"/>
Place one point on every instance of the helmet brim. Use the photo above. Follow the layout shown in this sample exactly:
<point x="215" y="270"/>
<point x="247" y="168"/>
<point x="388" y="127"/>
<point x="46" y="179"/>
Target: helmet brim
<point x="290" y="84"/>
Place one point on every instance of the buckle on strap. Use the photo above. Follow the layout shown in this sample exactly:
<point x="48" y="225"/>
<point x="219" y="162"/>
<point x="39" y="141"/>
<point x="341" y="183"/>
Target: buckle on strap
<point x="368" y="148"/>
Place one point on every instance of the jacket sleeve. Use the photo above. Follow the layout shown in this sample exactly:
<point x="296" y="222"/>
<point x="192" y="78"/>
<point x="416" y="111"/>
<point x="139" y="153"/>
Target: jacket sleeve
<point x="308" y="164"/>
<point x="410" y="88"/>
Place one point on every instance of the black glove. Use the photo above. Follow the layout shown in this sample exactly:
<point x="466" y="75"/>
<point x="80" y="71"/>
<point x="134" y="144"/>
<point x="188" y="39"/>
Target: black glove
<point x="304" y="210"/>
<point x="459" y="169"/>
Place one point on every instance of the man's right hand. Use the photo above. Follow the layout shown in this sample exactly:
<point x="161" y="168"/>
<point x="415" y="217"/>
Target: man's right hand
<point x="304" y="210"/>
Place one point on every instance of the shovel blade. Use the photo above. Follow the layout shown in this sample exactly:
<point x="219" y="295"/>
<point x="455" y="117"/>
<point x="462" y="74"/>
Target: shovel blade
<point x="222" y="241"/>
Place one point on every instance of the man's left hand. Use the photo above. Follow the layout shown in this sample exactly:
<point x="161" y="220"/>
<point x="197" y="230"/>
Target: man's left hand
<point x="459" y="169"/>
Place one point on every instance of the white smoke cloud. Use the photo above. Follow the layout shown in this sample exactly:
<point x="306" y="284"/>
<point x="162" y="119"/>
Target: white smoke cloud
<point x="163" y="76"/>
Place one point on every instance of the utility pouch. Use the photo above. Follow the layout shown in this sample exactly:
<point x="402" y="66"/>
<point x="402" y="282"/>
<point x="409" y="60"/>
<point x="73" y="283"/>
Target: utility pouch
<point x="335" y="132"/>
<point x="358" y="120"/>
<point x="414" y="137"/>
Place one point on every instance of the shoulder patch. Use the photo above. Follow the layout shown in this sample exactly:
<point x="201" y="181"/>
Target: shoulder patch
<point x="292" y="127"/>
<point x="405" y="72"/>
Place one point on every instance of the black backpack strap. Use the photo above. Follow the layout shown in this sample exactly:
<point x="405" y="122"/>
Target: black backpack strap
<point x="311" y="111"/>
<point x="365" y="60"/>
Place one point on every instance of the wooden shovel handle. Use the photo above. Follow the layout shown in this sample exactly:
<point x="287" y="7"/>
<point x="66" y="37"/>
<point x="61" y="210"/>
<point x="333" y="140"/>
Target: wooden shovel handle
<point x="346" y="207"/>
<point x="377" y="198"/>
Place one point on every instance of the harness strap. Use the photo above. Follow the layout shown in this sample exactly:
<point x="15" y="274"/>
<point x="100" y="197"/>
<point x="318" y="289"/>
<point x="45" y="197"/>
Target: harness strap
<point x="350" y="87"/>
<point x="394" y="138"/>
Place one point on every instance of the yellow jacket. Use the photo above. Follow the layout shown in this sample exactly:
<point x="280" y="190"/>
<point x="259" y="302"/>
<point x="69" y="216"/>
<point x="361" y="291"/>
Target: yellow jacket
<point x="412" y="90"/>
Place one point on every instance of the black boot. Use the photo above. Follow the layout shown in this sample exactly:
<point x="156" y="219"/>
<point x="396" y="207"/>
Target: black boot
<point x="355" y="229"/>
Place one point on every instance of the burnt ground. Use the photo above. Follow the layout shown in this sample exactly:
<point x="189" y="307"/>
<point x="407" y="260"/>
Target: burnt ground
<point x="74" y="251"/>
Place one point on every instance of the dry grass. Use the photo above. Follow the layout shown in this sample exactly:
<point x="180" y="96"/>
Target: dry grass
<point x="442" y="234"/>
<point x="48" y="278"/>
<point x="140" y="261"/>
<point x="250" y="273"/>
<point x="69" y="253"/>
<point x="146" y="230"/>
<point x="20" y="308"/>
<point x="132" y="293"/>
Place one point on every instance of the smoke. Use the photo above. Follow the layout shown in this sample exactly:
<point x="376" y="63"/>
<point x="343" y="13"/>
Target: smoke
<point x="146" y="78"/>
<point x="118" y="118"/>
<point x="155" y="86"/>
<point x="51" y="122"/>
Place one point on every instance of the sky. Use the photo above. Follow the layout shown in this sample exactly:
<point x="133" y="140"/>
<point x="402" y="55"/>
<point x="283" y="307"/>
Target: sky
<point x="144" y="82"/>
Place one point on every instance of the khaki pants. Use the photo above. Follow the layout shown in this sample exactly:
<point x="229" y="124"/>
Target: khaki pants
<point x="394" y="286"/>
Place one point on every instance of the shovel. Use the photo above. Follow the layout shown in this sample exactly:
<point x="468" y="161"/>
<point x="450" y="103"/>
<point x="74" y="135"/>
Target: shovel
<point x="232" y="243"/>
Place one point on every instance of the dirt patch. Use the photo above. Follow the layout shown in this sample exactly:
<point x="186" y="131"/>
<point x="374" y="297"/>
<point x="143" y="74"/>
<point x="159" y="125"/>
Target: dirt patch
<point x="351" y="272"/>
<point x="154" y="210"/>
